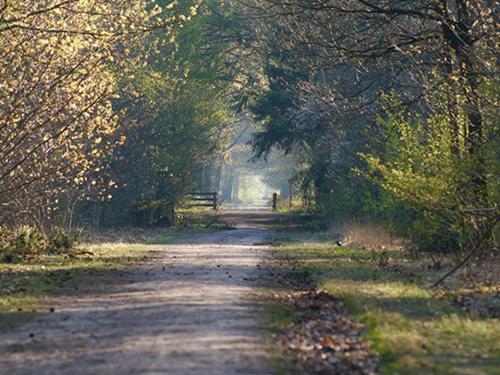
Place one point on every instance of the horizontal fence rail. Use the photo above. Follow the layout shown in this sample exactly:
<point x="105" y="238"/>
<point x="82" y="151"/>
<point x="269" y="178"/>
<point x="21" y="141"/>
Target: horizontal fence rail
<point x="203" y="200"/>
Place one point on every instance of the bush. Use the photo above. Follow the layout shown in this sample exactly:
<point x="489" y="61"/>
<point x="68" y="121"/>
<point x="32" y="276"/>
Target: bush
<point x="15" y="244"/>
<point x="430" y="169"/>
<point x="431" y="235"/>
<point x="61" y="239"/>
<point x="28" y="241"/>
<point x="6" y="236"/>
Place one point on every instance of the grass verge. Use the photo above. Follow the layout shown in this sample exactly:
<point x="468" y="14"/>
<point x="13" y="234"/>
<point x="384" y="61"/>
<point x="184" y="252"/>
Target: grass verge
<point x="277" y="319"/>
<point x="27" y="287"/>
<point x="416" y="330"/>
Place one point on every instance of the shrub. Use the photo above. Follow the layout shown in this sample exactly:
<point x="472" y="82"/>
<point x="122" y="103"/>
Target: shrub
<point x="15" y="244"/>
<point x="6" y="236"/>
<point x="432" y="235"/>
<point x="61" y="239"/>
<point x="28" y="241"/>
<point x="428" y="166"/>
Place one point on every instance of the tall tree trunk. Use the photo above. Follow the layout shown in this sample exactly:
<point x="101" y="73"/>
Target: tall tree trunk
<point x="457" y="39"/>
<point x="449" y="67"/>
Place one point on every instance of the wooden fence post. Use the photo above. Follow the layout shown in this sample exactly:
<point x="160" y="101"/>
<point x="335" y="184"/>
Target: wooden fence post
<point x="215" y="201"/>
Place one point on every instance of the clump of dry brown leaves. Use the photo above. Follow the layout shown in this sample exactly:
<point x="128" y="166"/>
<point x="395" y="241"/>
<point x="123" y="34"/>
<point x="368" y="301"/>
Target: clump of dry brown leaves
<point x="325" y="339"/>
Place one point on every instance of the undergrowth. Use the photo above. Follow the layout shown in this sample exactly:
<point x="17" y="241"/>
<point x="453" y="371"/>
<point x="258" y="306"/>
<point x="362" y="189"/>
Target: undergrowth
<point x="415" y="329"/>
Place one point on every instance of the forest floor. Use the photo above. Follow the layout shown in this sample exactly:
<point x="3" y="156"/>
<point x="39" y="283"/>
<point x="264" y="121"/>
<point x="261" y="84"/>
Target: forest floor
<point x="453" y="329"/>
<point x="256" y="293"/>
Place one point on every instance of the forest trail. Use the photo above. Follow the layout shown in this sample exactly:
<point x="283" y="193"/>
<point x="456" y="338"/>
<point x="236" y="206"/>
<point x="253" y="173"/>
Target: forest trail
<point x="191" y="309"/>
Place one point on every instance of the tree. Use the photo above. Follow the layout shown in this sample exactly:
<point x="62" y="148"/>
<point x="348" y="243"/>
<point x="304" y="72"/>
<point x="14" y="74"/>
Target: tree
<point x="59" y="77"/>
<point x="351" y="52"/>
<point x="180" y="115"/>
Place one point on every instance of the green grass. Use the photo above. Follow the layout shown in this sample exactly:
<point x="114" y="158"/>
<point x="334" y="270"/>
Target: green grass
<point x="277" y="318"/>
<point x="416" y="330"/>
<point x="25" y="287"/>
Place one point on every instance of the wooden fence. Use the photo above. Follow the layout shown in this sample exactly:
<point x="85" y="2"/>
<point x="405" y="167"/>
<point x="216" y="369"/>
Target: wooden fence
<point x="204" y="200"/>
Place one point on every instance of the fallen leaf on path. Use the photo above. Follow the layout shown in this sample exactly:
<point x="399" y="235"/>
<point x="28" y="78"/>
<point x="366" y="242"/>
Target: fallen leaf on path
<point x="324" y="338"/>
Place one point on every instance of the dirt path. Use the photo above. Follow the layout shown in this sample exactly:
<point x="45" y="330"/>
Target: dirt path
<point x="193" y="309"/>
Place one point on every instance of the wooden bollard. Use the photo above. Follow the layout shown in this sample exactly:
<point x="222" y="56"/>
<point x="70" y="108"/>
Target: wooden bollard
<point x="275" y="201"/>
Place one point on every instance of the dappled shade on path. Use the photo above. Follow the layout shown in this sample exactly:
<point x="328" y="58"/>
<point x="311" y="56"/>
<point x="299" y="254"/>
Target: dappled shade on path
<point x="192" y="308"/>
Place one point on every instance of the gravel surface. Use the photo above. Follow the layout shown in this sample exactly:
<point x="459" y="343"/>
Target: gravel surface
<point x="191" y="309"/>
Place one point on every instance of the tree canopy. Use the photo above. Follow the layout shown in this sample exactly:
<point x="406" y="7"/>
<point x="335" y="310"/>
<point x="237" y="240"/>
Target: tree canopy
<point x="118" y="109"/>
